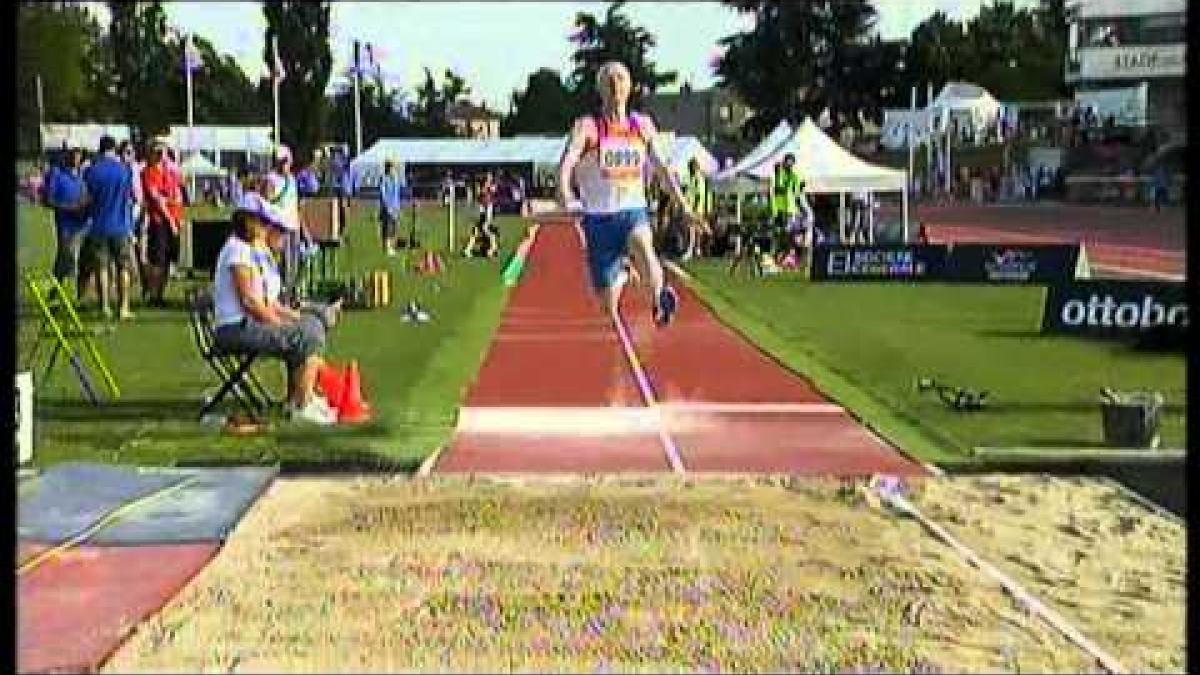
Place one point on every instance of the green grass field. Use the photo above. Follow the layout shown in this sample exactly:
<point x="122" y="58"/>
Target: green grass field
<point x="413" y="375"/>
<point x="865" y="345"/>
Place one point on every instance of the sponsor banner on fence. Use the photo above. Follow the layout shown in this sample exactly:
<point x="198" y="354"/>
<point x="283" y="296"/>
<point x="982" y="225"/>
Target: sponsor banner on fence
<point x="878" y="263"/>
<point x="1012" y="263"/>
<point x="1116" y="309"/>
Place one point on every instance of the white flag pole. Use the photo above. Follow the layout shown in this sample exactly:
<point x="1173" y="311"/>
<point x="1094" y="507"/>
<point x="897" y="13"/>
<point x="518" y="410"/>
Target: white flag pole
<point x="929" y="172"/>
<point x="357" y="105"/>
<point x="908" y="179"/>
<point x="41" y="105"/>
<point x="187" y="66"/>
<point x="275" y="78"/>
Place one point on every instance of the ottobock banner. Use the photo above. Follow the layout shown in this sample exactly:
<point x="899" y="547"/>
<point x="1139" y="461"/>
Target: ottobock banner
<point x="878" y="263"/>
<point x="1012" y="263"/>
<point x="1117" y="309"/>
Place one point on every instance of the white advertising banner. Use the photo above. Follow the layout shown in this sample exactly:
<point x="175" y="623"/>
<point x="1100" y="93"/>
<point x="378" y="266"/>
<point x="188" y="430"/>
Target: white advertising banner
<point x="1115" y="63"/>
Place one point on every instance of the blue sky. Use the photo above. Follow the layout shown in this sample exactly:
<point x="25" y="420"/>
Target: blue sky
<point x="495" y="45"/>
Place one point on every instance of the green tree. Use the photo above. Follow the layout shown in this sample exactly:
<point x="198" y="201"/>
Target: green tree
<point x="939" y="52"/>
<point x="62" y="43"/>
<point x="804" y="57"/>
<point x="222" y="93"/>
<point x="430" y="112"/>
<point x="302" y="29"/>
<point x="545" y="106"/>
<point x="138" y="43"/>
<point x="383" y="112"/>
<point x="616" y="38"/>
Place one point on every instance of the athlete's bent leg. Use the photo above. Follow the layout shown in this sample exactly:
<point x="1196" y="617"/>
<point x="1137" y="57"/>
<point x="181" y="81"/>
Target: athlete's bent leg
<point x="662" y="297"/>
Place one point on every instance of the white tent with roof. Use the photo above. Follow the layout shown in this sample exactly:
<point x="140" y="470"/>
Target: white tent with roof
<point x="825" y="166"/>
<point x="537" y="151"/>
<point x="198" y="166"/>
<point x="683" y="149"/>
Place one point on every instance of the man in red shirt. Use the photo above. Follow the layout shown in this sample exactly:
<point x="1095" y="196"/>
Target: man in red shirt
<point x="163" y="194"/>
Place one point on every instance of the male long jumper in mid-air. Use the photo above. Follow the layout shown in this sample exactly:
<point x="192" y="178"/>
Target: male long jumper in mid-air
<point x="607" y="157"/>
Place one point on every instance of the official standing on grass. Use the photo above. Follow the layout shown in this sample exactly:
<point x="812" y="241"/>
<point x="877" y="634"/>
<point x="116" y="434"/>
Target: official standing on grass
<point x="696" y="189"/>
<point x="164" y="213"/>
<point x="391" y="199"/>
<point x="66" y="193"/>
<point x="110" y="239"/>
<point x="281" y="188"/>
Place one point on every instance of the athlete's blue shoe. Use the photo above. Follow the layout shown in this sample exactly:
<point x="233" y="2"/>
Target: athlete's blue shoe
<point x="668" y="304"/>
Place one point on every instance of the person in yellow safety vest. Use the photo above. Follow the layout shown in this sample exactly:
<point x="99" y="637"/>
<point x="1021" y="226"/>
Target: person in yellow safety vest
<point x="700" y="199"/>
<point x="787" y="200"/>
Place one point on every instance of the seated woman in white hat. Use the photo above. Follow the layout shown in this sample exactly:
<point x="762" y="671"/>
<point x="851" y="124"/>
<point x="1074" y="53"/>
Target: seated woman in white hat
<point x="249" y="315"/>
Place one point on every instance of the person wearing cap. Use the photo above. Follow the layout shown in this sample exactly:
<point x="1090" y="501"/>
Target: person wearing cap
<point x="249" y="316"/>
<point x="281" y="188"/>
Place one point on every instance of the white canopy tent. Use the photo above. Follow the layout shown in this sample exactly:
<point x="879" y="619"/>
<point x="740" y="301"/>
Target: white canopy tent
<point x="969" y="100"/>
<point x="198" y="166"/>
<point x="683" y="149"/>
<point x="538" y="151"/>
<point x="827" y="168"/>
<point x="765" y="148"/>
<point x="367" y="168"/>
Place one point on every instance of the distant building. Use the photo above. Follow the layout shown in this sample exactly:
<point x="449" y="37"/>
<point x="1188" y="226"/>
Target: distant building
<point x="1135" y="46"/>
<point x="472" y="121"/>
<point x="714" y="116"/>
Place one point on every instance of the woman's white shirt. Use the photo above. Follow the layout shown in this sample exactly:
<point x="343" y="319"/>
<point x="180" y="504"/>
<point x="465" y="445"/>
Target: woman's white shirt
<point x="227" y="304"/>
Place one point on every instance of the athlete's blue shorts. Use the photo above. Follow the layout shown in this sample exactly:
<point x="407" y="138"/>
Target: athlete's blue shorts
<point x="607" y="235"/>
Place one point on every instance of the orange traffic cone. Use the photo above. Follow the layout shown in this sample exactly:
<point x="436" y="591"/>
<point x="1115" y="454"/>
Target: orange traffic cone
<point x="353" y="408"/>
<point x="332" y="385"/>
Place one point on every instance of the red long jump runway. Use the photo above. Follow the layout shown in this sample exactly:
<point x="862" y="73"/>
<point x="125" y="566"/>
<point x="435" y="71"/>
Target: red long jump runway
<point x="559" y="391"/>
<point x="554" y="355"/>
<point x="96" y="595"/>
<point x="1128" y="240"/>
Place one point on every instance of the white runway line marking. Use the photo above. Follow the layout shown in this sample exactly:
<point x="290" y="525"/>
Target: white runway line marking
<point x="617" y="420"/>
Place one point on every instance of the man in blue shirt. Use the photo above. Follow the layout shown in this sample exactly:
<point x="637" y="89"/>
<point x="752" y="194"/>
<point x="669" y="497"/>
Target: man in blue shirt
<point x="66" y="194"/>
<point x="110" y="239"/>
<point x="391" y="198"/>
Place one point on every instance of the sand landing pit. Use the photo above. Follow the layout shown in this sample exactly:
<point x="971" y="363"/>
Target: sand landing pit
<point x="454" y="574"/>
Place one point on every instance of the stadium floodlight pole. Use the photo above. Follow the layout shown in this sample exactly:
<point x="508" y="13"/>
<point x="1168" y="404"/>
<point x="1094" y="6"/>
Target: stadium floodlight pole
<point x="357" y="104"/>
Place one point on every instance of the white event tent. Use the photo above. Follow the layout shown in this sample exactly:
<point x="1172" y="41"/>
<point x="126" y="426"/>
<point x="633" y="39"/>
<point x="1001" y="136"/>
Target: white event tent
<point x="537" y="151"/>
<point x="826" y="167"/>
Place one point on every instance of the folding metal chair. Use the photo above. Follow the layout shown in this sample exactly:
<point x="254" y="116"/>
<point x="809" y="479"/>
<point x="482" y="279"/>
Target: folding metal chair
<point x="233" y="369"/>
<point x="64" y="333"/>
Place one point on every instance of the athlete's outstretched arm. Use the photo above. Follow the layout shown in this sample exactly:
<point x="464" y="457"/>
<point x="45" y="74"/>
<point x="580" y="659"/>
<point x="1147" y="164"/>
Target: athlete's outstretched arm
<point x="661" y="162"/>
<point x="571" y="154"/>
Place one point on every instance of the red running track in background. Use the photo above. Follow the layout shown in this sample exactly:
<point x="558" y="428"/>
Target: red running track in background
<point x="1119" y="237"/>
